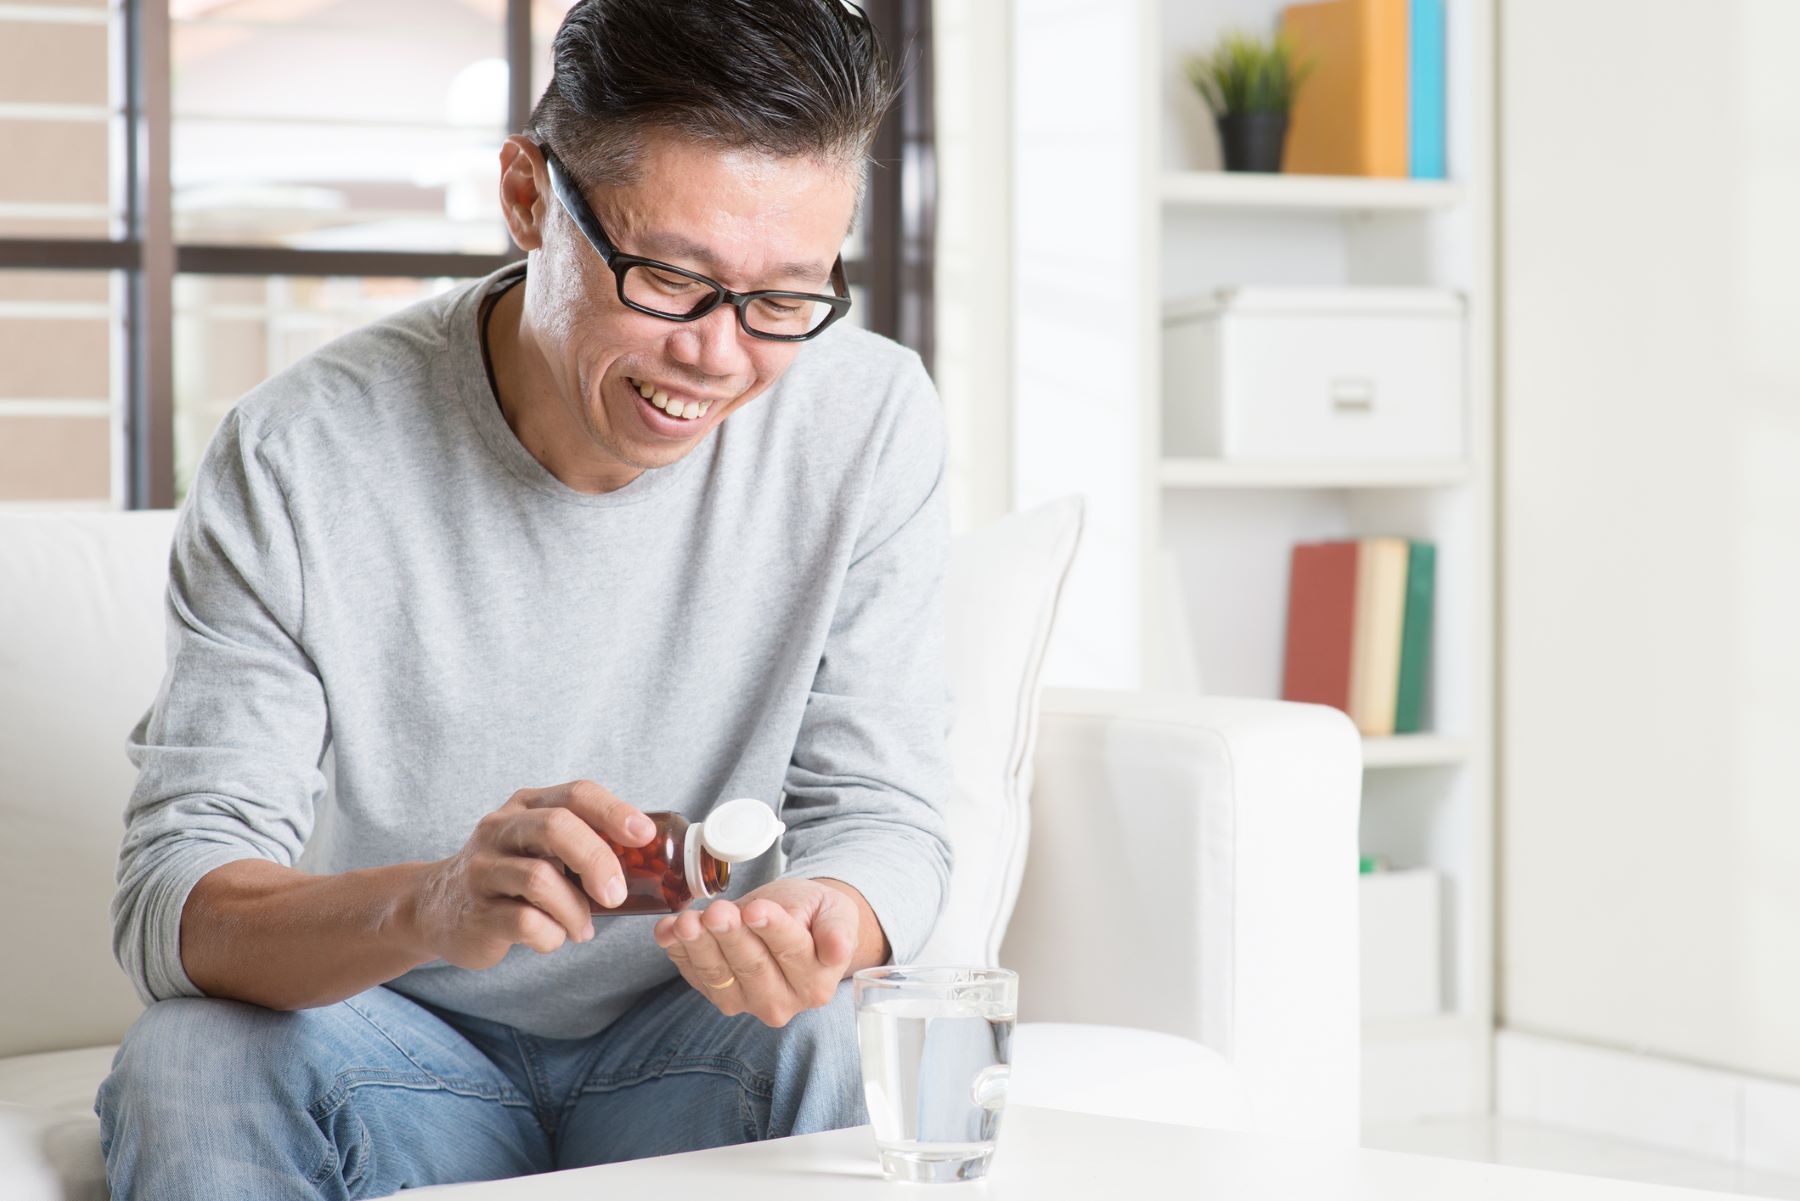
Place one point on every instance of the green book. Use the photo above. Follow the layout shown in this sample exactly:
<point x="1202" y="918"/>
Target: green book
<point x="1415" y="636"/>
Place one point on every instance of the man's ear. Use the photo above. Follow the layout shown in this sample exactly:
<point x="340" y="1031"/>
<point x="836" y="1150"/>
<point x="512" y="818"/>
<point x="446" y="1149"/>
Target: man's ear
<point x="524" y="191"/>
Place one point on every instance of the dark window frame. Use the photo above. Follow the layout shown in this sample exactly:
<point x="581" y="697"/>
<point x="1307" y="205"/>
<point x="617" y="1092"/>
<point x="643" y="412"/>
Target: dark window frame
<point x="895" y="272"/>
<point x="901" y="218"/>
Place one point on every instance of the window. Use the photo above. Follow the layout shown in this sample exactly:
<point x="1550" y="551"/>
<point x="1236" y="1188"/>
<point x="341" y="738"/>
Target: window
<point x="62" y="334"/>
<point x="202" y="191"/>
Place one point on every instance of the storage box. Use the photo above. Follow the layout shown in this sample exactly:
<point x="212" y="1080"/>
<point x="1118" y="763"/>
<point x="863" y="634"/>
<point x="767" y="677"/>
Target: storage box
<point x="1402" y="962"/>
<point x="1316" y="374"/>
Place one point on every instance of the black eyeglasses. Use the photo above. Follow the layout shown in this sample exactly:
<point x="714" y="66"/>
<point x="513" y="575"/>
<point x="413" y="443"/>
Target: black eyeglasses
<point x="677" y="294"/>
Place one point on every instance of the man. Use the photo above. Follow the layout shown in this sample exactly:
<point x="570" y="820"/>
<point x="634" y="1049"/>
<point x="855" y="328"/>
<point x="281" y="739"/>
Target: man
<point x="458" y="594"/>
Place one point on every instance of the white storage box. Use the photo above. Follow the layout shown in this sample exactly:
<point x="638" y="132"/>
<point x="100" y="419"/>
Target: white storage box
<point x="1401" y="947"/>
<point x="1315" y="374"/>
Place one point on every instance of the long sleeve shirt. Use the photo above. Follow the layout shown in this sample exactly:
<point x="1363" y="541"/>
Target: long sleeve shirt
<point x="385" y="617"/>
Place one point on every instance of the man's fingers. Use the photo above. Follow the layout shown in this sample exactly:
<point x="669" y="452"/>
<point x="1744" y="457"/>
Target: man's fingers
<point x="783" y="951"/>
<point x="601" y="810"/>
<point x="789" y="942"/>
<point x="572" y="823"/>
<point x="704" y="957"/>
<point x="666" y="938"/>
<point x="547" y="829"/>
<point x="522" y="922"/>
<point x="767" y="992"/>
<point x="542" y="884"/>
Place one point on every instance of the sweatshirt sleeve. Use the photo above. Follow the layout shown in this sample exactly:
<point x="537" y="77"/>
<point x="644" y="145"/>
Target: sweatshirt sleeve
<point x="230" y="753"/>
<point x="869" y="779"/>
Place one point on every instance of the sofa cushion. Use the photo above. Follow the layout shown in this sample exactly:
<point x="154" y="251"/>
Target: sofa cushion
<point x="82" y="598"/>
<point x="1000" y="600"/>
<point x="48" y="1131"/>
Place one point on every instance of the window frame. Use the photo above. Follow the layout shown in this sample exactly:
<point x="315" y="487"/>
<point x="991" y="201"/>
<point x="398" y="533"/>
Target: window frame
<point x="895" y="270"/>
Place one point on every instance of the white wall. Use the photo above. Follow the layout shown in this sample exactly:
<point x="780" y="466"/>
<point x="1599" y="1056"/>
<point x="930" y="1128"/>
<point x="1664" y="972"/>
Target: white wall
<point x="1084" y="314"/>
<point x="1042" y="305"/>
<point x="1650" y="813"/>
<point x="971" y="76"/>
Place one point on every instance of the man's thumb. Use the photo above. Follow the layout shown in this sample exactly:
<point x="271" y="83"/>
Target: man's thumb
<point x="835" y="928"/>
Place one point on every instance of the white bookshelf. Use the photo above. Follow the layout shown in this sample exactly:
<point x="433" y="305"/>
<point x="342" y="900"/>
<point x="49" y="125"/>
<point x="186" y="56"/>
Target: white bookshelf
<point x="1271" y="193"/>
<point x="1416" y="750"/>
<point x="1214" y="473"/>
<point x="1118" y="208"/>
<point x="1427" y="798"/>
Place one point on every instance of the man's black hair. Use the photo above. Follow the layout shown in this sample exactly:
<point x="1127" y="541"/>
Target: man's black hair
<point x="789" y="78"/>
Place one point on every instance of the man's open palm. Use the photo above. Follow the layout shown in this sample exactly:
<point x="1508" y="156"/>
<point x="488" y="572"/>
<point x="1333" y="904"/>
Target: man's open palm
<point x="779" y="951"/>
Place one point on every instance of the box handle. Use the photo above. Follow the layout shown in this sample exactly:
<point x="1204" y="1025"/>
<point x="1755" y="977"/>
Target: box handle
<point x="1352" y="395"/>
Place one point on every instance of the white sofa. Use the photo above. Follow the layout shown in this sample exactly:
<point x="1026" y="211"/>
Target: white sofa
<point x="1184" y="928"/>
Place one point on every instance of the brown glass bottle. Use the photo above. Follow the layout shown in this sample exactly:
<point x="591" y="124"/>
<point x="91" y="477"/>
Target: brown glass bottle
<point x="656" y="874"/>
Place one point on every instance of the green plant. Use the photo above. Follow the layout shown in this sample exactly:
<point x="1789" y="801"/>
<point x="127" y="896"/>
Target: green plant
<point x="1248" y="74"/>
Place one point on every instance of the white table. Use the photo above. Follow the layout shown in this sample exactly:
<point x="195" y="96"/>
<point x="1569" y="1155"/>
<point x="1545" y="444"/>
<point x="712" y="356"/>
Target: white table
<point x="1049" y="1154"/>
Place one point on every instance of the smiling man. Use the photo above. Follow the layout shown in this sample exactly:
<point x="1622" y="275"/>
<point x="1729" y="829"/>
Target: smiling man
<point x="636" y="524"/>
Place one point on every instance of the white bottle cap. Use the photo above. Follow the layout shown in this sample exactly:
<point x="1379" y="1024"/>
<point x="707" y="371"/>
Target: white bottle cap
<point x="740" y="829"/>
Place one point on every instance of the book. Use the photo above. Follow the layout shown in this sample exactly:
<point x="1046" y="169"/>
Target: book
<point x="1350" y="116"/>
<point x="1375" y="650"/>
<point x="1415" y="637"/>
<point x="1425" y="56"/>
<point x="1320" y="624"/>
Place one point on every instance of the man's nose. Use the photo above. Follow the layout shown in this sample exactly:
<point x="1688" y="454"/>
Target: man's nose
<point x="712" y="345"/>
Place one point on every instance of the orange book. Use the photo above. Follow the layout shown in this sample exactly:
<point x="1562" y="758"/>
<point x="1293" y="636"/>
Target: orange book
<point x="1350" y="116"/>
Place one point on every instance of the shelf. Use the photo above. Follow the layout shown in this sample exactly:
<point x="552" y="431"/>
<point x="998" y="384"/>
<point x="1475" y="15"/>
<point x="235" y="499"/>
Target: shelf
<point x="1256" y="192"/>
<point x="1222" y="473"/>
<point x="1416" y="750"/>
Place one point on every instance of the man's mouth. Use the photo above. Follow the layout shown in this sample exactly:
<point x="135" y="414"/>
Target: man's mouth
<point x="691" y="410"/>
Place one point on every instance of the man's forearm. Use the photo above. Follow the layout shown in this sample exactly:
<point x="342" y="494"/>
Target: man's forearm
<point x="285" y="939"/>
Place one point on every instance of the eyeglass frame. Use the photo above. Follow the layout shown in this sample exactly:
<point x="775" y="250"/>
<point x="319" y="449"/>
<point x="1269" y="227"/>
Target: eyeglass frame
<point x="576" y="206"/>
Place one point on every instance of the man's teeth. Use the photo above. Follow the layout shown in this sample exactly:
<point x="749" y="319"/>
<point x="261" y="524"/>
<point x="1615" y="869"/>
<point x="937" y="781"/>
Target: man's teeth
<point x="660" y="399"/>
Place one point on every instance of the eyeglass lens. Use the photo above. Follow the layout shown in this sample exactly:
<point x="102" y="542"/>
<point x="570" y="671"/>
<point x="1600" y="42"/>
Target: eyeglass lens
<point x="674" y="295"/>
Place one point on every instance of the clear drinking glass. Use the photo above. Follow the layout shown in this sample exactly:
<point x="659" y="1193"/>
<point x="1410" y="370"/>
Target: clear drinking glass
<point x="936" y="1046"/>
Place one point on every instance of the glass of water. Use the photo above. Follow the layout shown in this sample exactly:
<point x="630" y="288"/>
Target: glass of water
<point x="936" y="1046"/>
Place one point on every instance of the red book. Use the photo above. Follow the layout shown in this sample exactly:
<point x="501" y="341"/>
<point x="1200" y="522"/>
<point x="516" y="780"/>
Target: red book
<point x="1321" y="626"/>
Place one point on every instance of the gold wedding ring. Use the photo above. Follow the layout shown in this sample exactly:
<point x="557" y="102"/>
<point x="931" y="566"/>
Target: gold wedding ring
<point x="729" y="981"/>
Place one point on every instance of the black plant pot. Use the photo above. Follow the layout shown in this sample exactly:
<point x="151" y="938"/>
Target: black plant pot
<point x="1253" y="141"/>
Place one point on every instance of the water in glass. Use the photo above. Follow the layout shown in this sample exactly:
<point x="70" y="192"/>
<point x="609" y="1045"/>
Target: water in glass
<point x="935" y="1071"/>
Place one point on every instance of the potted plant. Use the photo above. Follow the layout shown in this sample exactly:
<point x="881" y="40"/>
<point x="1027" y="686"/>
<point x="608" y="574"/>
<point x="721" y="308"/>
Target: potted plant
<point x="1249" y="83"/>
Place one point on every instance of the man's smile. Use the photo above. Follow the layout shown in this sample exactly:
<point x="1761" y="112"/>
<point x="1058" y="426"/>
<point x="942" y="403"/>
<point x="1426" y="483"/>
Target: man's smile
<point x="675" y="404"/>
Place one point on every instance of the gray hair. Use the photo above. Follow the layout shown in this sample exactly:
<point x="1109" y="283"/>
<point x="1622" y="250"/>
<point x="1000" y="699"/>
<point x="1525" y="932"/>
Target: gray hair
<point x="788" y="78"/>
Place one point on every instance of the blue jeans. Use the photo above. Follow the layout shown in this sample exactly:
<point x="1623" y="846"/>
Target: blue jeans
<point x="212" y="1098"/>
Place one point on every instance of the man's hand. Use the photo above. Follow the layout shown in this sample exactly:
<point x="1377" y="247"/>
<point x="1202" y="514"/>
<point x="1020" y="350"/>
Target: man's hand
<point x="507" y="884"/>
<point x="780" y="951"/>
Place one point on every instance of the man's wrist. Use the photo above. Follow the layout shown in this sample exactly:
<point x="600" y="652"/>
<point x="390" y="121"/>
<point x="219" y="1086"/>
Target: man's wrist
<point x="872" y="948"/>
<point x="402" y="924"/>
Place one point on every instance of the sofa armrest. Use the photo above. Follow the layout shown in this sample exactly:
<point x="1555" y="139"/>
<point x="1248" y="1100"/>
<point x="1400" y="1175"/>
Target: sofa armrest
<point x="1192" y="869"/>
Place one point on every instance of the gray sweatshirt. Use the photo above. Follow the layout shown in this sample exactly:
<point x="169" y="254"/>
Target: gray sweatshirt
<point x="385" y="617"/>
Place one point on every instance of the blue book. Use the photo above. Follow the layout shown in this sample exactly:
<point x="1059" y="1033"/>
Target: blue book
<point x="1426" y="100"/>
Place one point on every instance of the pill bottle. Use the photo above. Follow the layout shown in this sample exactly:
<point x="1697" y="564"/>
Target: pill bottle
<point x="689" y="861"/>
